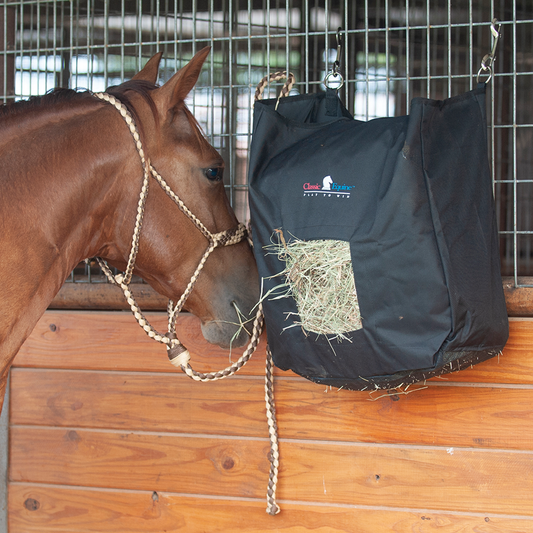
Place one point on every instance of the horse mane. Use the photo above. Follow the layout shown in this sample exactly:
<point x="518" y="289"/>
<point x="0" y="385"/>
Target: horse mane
<point x="50" y="99"/>
<point x="123" y="91"/>
<point x="61" y="95"/>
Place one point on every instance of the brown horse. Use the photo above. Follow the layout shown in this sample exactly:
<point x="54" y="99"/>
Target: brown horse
<point x="70" y="177"/>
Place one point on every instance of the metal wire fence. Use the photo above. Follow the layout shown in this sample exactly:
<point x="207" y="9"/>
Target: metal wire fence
<point x="394" y="50"/>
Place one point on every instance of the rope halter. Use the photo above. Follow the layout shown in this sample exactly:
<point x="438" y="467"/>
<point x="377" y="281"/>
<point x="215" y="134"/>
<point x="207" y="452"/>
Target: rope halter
<point x="177" y="353"/>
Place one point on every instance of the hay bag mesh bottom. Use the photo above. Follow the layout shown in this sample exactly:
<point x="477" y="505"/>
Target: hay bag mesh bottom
<point x="319" y="276"/>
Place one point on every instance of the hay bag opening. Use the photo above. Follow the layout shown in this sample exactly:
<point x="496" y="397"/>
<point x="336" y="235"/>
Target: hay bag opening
<point x="319" y="276"/>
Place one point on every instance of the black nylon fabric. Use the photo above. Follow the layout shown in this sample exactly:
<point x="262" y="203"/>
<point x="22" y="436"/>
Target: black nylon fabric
<point x="413" y="197"/>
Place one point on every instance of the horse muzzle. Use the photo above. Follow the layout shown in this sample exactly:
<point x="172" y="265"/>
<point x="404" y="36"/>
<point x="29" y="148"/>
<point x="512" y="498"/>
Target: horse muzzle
<point x="230" y="331"/>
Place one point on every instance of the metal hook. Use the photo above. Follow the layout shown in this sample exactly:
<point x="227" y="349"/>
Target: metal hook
<point x="337" y="62"/>
<point x="488" y="60"/>
<point x="334" y="79"/>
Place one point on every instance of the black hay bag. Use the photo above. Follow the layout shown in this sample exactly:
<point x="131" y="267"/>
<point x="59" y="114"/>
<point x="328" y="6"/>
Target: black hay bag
<point x="412" y="196"/>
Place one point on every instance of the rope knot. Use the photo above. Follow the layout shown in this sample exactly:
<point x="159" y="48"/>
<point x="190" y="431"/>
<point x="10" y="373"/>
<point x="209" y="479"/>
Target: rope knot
<point x="177" y="353"/>
<point x="230" y="236"/>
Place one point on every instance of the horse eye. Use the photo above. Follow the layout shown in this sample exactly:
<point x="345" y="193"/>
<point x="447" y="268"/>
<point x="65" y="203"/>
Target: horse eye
<point x="214" y="174"/>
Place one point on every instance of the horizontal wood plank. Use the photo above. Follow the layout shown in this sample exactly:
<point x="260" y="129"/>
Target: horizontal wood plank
<point x="126" y="460"/>
<point x="147" y="402"/>
<point x="48" y="509"/>
<point x="114" y="341"/>
<point x="445" y="416"/>
<point x="440" y="479"/>
<point x="514" y="365"/>
<point x="519" y="300"/>
<point x="457" y="447"/>
<point x="488" y="417"/>
<point x="108" y="340"/>
<point x="103" y="296"/>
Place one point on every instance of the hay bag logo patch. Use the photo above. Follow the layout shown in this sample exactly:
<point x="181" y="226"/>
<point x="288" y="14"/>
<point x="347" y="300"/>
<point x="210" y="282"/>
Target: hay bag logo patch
<point x="329" y="189"/>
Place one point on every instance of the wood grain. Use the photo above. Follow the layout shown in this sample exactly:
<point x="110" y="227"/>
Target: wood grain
<point x="114" y="341"/>
<point x="100" y="420"/>
<point x="464" y="480"/>
<point x="98" y="511"/>
<point x="488" y="417"/>
<point x="147" y="402"/>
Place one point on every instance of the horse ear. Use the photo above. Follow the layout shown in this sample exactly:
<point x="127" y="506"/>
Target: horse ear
<point x="150" y="70"/>
<point x="176" y="89"/>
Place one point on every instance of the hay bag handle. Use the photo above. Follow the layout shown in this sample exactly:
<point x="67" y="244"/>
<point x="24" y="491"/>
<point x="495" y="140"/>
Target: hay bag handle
<point x="276" y="76"/>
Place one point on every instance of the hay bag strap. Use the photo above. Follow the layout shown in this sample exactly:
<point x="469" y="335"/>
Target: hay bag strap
<point x="394" y="219"/>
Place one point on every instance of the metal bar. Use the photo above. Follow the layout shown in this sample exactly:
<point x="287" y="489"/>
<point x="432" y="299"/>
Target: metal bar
<point x="367" y="81"/>
<point x="400" y="45"/>
<point x="470" y="44"/>
<point x="515" y="177"/>
<point x="106" y="43"/>
<point x="212" y="74"/>
<point x="139" y="34"/>
<point x="4" y="460"/>
<point x="122" y="39"/>
<point x="287" y="38"/>
<point x="89" y="47"/>
<point x="346" y="58"/>
<point x="387" y="56"/>
<point x="229" y="120"/>
<point x="449" y="48"/>
<point x="428" y="51"/>
<point x="407" y="59"/>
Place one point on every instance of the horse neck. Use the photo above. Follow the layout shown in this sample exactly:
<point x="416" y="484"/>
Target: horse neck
<point x="60" y="180"/>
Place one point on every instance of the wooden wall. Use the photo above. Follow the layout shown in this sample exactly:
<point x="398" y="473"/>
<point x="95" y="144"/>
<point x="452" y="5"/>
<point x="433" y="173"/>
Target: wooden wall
<point x="106" y="436"/>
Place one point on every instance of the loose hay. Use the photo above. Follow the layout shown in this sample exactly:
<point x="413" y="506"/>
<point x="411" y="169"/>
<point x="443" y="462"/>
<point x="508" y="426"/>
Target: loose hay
<point x="319" y="276"/>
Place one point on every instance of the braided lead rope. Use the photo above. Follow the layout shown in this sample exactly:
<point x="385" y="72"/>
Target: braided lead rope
<point x="174" y="310"/>
<point x="224" y="238"/>
<point x="137" y="313"/>
<point x="178" y="354"/>
<point x="272" y="506"/>
<point x="128" y="273"/>
<point x="177" y="200"/>
<point x="128" y="118"/>
<point x="257" y="329"/>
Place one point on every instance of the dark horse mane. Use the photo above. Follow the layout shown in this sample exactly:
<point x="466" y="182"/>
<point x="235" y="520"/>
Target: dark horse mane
<point x="50" y="99"/>
<point x="60" y="96"/>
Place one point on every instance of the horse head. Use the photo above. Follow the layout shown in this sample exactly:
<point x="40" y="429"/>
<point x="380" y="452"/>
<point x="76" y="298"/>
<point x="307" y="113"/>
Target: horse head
<point x="171" y="245"/>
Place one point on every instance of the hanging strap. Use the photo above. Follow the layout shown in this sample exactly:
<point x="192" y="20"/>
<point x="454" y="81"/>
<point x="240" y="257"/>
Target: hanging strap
<point x="178" y="354"/>
<point x="285" y="90"/>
